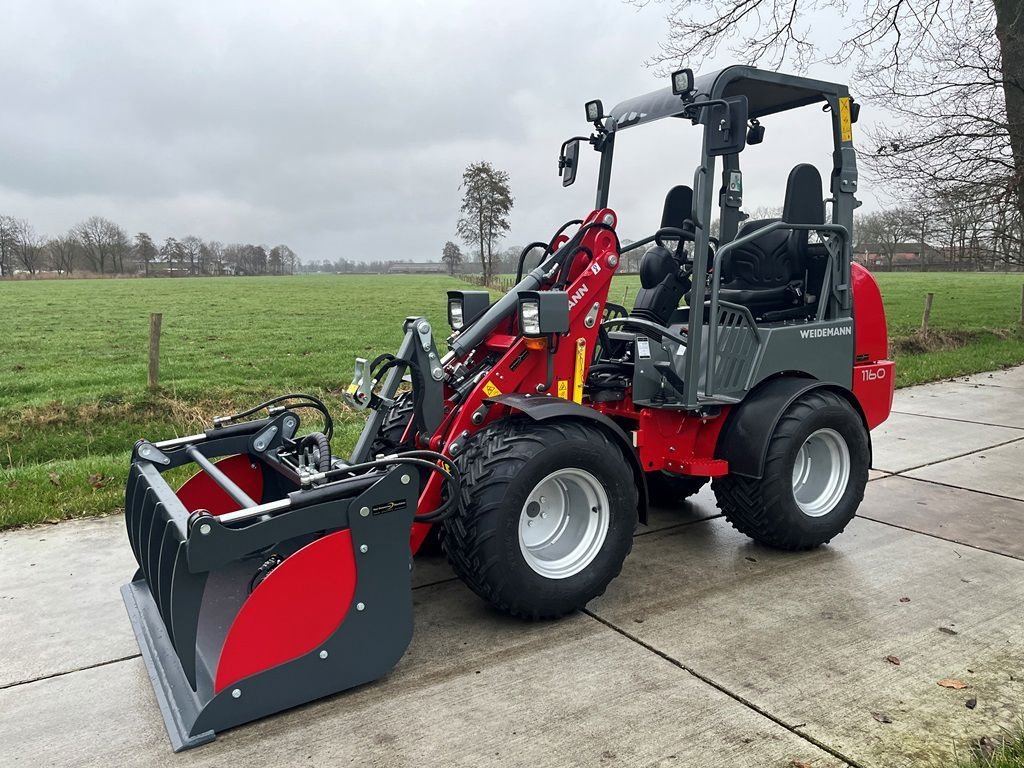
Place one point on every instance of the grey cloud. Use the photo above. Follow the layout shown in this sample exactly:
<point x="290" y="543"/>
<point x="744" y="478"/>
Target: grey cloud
<point x="338" y="128"/>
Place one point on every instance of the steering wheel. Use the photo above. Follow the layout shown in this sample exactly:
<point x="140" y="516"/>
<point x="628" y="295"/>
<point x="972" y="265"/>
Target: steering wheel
<point x="679" y="235"/>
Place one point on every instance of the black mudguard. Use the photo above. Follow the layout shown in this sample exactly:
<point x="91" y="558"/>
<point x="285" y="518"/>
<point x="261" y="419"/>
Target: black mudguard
<point x="545" y="407"/>
<point x="748" y="428"/>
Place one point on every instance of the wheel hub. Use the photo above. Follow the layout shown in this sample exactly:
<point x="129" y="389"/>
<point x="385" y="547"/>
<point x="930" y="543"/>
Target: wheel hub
<point x="821" y="472"/>
<point x="564" y="522"/>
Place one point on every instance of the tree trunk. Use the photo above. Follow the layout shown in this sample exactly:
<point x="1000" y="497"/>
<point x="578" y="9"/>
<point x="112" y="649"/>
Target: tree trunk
<point x="1010" y="31"/>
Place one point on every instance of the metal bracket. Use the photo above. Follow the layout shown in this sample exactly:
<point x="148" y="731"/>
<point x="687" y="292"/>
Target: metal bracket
<point x="148" y="452"/>
<point x="427" y="342"/>
<point x="359" y="392"/>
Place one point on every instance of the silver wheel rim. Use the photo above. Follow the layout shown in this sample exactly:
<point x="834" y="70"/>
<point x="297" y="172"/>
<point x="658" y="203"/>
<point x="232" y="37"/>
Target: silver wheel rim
<point x="821" y="472"/>
<point x="564" y="523"/>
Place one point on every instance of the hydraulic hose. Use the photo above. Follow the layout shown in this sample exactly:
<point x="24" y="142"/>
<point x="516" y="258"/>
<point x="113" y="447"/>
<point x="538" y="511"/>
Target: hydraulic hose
<point x="306" y="401"/>
<point x="319" y="441"/>
<point x="420" y="458"/>
<point x="522" y="257"/>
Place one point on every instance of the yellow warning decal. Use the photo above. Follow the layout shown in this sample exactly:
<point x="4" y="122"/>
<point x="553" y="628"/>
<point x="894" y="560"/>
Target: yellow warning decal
<point x="490" y="390"/>
<point x="845" y="126"/>
<point x="351" y="389"/>
<point x="563" y="389"/>
<point x="581" y="364"/>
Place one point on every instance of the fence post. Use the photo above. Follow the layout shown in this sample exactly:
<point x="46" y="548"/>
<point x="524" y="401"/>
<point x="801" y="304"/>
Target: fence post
<point x="1022" y="305"/>
<point x="927" y="313"/>
<point x="154" y="350"/>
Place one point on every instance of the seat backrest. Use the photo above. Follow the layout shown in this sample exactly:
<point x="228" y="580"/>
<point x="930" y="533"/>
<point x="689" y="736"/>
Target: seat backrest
<point x="776" y="258"/>
<point x="678" y="207"/>
<point x="661" y="286"/>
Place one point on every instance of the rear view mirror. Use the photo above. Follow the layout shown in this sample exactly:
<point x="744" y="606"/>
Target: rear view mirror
<point x="725" y="126"/>
<point x="568" y="159"/>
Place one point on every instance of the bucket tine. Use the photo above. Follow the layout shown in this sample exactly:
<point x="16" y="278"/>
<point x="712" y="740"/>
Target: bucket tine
<point x="186" y="599"/>
<point x="163" y="579"/>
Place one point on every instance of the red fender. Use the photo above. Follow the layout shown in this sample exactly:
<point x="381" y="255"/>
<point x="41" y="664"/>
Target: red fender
<point x="292" y="611"/>
<point x="873" y="374"/>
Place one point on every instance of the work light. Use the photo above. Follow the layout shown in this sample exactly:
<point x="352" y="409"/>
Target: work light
<point x="542" y="313"/>
<point x="595" y="110"/>
<point x="529" y="317"/>
<point x="682" y="82"/>
<point x="466" y="306"/>
<point x="455" y="314"/>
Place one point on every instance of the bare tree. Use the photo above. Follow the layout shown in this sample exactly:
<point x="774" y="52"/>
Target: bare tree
<point x="486" y="203"/>
<point x="192" y="248"/>
<point x="885" y="231"/>
<point x="28" y="246"/>
<point x="451" y="255"/>
<point x="104" y="244"/>
<point x="63" y="251"/>
<point x="952" y="70"/>
<point x="282" y="260"/>
<point x="215" y="257"/>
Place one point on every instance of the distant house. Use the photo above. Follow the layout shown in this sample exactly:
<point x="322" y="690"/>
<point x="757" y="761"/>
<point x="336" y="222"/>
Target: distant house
<point x="905" y="256"/>
<point x="417" y="268"/>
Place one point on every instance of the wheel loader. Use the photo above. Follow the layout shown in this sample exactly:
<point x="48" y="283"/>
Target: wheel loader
<point x="754" y="359"/>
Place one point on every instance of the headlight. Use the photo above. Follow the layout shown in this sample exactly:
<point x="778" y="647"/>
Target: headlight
<point x="529" y="317"/>
<point x="465" y="307"/>
<point x="455" y="318"/>
<point x="682" y="82"/>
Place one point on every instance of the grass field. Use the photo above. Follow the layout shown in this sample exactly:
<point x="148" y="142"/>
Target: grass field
<point x="73" y="360"/>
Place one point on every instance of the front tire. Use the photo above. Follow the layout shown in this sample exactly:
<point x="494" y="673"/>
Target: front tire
<point x="814" y="476"/>
<point x="547" y="516"/>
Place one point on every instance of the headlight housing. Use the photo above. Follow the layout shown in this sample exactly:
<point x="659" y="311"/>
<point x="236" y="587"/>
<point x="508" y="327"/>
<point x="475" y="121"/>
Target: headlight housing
<point x="464" y="307"/>
<point x="542" y="313"/>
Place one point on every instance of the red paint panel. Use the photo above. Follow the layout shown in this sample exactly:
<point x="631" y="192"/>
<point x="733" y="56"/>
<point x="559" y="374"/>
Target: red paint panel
<point x="201" y="492"/>
<point x="292" y="611"/>
<point x="873" y="387"/>
<point x="872" y="339"/>
<point x="670" y="440"/>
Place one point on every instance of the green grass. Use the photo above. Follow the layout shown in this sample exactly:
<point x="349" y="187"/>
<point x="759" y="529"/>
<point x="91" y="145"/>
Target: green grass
<point x="73" y="359"/>
<point x="1003" y="751"/>
<point x="73" y="368"/>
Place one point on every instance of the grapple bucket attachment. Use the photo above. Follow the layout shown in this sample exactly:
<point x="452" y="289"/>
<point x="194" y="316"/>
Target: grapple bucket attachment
<point x="255" y="594"/>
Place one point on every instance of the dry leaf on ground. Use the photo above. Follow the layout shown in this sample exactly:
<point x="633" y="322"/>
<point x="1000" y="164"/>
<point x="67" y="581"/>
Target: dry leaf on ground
<point x="956" y="685"/>
<point x="882" y="717"/>
<point x="893" y="660"/>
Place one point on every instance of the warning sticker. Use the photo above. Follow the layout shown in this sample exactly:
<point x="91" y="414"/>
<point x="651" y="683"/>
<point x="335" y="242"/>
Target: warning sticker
<point x="643" y="348"/>
<point x="563" y="389"/>
<point x="490" y="390"/>
<point x="845" y="125"/>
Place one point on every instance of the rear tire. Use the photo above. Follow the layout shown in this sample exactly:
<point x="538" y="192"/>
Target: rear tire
<point x="547" y="516"/>
<point x="815" y="472"/>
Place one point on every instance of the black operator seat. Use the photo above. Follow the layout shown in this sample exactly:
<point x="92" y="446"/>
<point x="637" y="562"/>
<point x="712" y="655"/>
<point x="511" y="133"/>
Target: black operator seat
<point x="767" y="274"/>
<point x="662" y="286"/>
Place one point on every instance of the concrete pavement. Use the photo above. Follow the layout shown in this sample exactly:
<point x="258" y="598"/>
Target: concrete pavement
<point x="708" y="650"/>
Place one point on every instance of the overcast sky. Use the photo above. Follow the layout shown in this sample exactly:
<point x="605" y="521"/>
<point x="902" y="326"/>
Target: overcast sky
<point x="339" y="128"/>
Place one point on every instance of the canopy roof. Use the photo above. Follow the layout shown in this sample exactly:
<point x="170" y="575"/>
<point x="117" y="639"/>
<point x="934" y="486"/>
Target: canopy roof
<point x="767" y="93"/>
